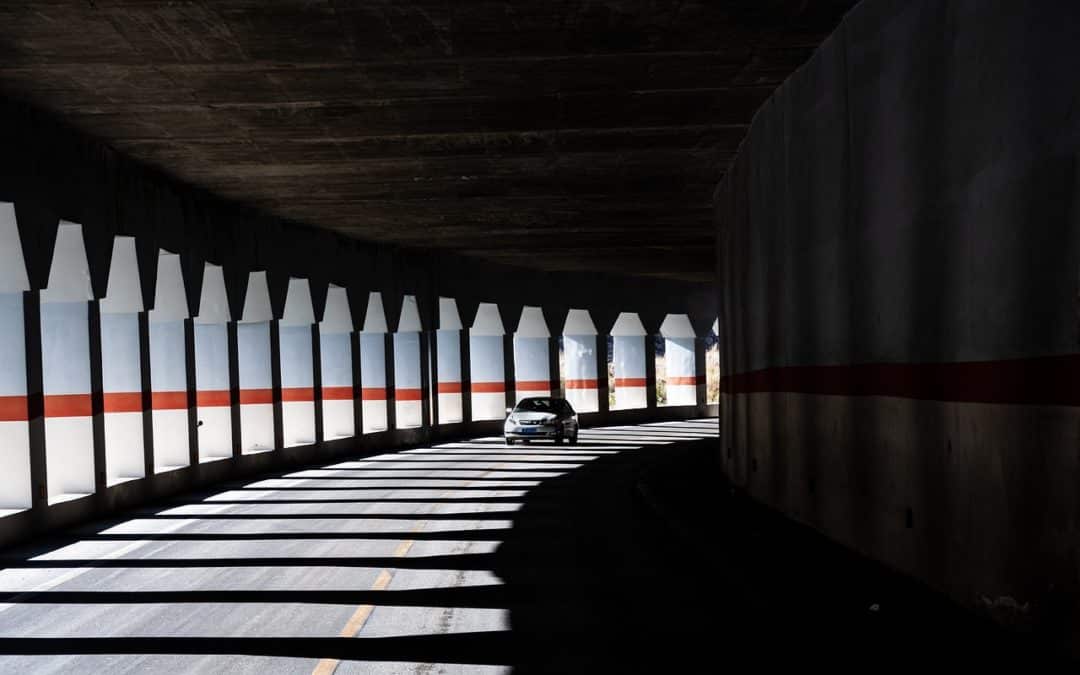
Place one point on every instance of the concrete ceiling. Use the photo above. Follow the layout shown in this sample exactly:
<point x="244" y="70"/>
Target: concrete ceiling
<point x="574" y="134"/>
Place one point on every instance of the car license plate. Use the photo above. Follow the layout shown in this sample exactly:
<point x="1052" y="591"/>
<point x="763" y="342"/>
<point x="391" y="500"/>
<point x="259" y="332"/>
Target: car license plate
<point x="528" y="430"/>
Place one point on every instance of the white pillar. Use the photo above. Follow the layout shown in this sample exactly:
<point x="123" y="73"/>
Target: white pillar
<point x="254" y="367"/>
<point x="579" y="352"/>
<point x="168" y="366"/>
<point x="65" y="362"/>
<point x="448" y="344"/>
<point x="121" y="368"/>
<point x="297" y="366"/>
<point x="336" y="364"/>
<point x="486" y="364"/>
<point x="531" y="368"/>
<point x="629" y="359"/>
<point x="680" y="374"/>
<point x="408" y="400"/>
<point x="373" y="365"/>
<point x="212" y="396"/>
<point x="15" y="487"/>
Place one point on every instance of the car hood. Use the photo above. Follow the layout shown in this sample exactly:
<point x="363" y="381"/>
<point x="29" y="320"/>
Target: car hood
<point x="534" y="416"/>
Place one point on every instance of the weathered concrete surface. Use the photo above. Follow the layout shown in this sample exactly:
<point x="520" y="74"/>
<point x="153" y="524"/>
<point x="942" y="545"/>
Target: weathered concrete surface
<point x="898" y="255"/>
<point x="558" y="135"/>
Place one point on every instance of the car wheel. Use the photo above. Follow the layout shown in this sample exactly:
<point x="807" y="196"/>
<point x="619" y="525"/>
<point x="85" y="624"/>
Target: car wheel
<point x="559" y="439"/>
<point x="573" y="439"/>
<point x="509" y="441"/>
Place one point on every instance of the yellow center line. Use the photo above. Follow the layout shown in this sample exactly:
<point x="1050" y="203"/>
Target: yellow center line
<point x="356" y="622"/>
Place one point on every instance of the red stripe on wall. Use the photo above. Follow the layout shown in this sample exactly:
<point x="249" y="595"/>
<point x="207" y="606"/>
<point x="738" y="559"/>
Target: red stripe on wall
<point x="373" y="394"/>
<point x="409" y="394"/>
<point x="533" y="385"/>
<point x="581" y="384"/>
<point x="449" y="387"/>
<point x="169" y="400"/>
<point x="123" y="402"/>
<point x="68" y="405"/>
<point x="629" y="381"/>
<point x="1050" y="380"/>
<point x="488" y="387"/>
<point x="684" y="380"/>
<point x="297" y="394"/>
<point x="212" y="398"/>
<point x="256" y="396"/>
<point x="14" y="409"/>
<point x="337" y="393"/>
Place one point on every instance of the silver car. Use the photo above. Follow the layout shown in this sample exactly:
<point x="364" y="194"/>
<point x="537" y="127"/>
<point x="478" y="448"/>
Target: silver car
<point x="541" y="417"/>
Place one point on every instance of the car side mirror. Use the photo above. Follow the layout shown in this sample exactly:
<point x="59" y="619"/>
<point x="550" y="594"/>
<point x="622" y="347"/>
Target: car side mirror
<point x="509" y="410"/>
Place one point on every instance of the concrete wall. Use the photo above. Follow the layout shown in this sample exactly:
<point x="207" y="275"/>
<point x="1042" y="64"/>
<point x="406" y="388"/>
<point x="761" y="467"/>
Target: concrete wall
<point x="899" y="256"/>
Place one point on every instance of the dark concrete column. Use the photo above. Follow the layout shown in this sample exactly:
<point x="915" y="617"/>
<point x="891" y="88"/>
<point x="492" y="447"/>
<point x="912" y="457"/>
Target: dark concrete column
<point x="509" y="376"/>
<point x="699" y="372"/>
<point x="650" y="371"/>
<point x="147" y="393"/>
<point x="554" y="376"/>
<point x="466" y="377"/>
<point x="391" y="394"/>
<point x="316" y="382"/>
<point x="602" y="385"/>
<point x="275" y="384"/>
<point x="192" y="389"/>
<point x="358" y="384"/>
<point x="35" y="399"/>
<point x="425" y="380"/>
<point x="234" y="387"/>
<point x="433" y="366"/>
<point x="97" y="397"/>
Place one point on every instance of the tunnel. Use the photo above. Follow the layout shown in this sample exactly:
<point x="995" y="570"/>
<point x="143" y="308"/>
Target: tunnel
<point x="499" y="336"/>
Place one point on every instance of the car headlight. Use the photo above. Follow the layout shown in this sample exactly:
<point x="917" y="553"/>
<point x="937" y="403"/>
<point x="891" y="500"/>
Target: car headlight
<point x="511" y="420"/>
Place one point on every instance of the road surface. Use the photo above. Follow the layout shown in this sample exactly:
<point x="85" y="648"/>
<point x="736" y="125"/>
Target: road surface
<point x="460" y="557"/>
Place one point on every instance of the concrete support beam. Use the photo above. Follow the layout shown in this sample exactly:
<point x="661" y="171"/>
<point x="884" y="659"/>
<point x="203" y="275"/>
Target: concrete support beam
<point x="509" y="376"/>
<point x="700" y="372"/>
<point x="554" y="376"/>
<point x="316" y="382"/>
<point x="391" y="398"/>
<point x="466" y="377"/>
<point x="97" y="398"/>
<point x="275" y="384"/>
<point x="427" y="400"/>
<point x="650" y="371"/>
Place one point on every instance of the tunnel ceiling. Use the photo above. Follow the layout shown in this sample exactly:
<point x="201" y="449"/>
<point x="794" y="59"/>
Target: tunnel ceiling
<point x="570" y="134"/>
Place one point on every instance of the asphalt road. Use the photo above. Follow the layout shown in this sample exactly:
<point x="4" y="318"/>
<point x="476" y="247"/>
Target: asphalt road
<point x="461" y="557"/>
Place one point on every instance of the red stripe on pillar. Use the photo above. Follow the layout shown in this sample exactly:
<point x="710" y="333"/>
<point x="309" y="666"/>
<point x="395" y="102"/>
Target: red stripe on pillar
<point x="297" y="394"/>
<point x="409" y="394"/>
<point x="373" y="394"/>
<point x="169" y="400"/>
<point x="256" y="396"/>
<point x="690" y="380"/>
<point x="123" y="402"/>
<point x="449" y="387"/>
<point x="68" y="405"/>
<point x="629" y="381"/>
<point x="337" y="393"/>
<point x="212" y="398"/>
<point x="14" y="409"/>
<point x="532" y="385"/>
<point x="488" y="387"/>
<point x="581" y="384"/>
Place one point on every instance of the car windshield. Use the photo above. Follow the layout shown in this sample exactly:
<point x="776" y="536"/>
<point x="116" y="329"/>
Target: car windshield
<point x="536" y="405"/>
